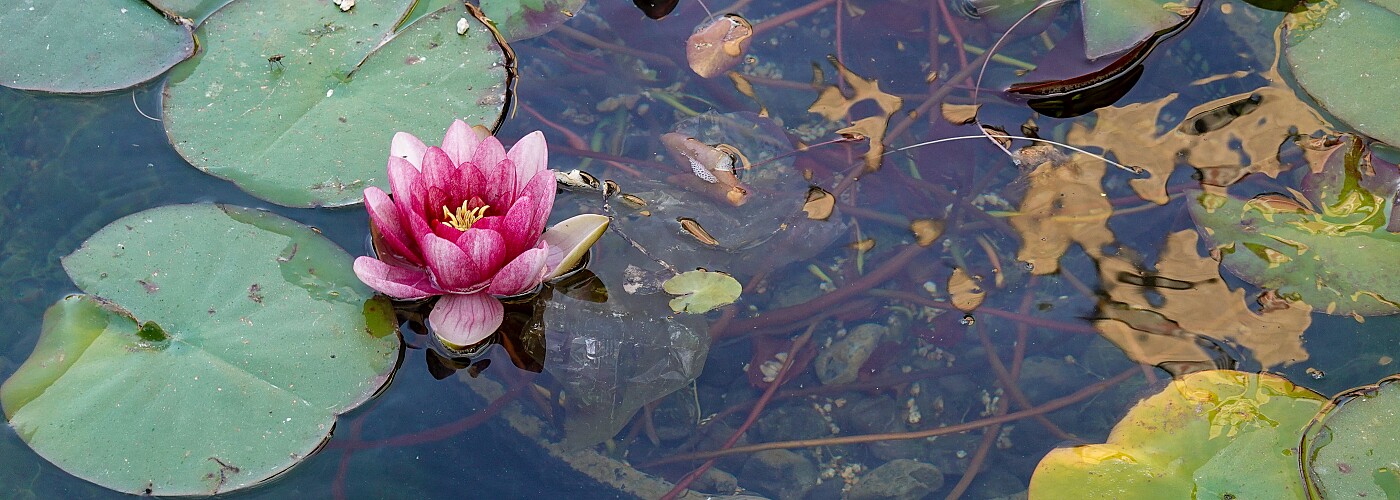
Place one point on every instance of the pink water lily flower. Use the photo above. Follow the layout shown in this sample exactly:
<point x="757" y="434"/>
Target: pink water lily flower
<point x="467" y="222"/>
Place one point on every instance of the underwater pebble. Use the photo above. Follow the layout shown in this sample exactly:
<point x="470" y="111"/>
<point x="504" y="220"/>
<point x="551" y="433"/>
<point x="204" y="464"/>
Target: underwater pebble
<point x="841" y="362"/>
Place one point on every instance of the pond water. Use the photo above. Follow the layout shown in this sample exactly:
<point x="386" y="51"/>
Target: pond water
<point x="885" y="350"/>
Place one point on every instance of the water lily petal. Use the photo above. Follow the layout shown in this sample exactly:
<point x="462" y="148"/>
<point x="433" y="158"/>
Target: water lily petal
<point x="488" y="154"/>
<point x="520" y="228"/>
<point x="530" y="156"/>
<point x="402" y="178"/>
<point x="541" y="191"/>
<point x="397" y="282"/>
<point x="568" y="241"/>
<point x="440" y="172"/>
<point x="452" y="270"/>
<point x="498" y="190"/>
<point x="384" y="214"/>
<point x="460" y="142"/>
<point x="521" y="275"/>
<point x="407" y="146"/>
<point x="487" y="249"/>
<point x="463" y="320"/>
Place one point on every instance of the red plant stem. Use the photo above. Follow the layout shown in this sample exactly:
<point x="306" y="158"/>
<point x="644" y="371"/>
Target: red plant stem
<point x="1013" y="390"/>
<point x="792" y="15"/>
<point x="1049" y="406"/>
<point x="887" y="270"/>
<point x="573" y="139"/>
<point x="1023" y="318"/>
<point x="954" y="34"/>
<point x="586" y="38"/>
<point x="989" y="437"/>
<point x="763" y="400"/>
<point x="933" y="49"/>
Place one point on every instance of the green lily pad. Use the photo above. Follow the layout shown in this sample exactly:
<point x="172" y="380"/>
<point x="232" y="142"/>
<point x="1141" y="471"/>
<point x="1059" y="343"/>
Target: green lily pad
<point x="700" y="291"/>
<point x="1113" y="26"/>
<point x="1210" y="434"/>
<point x="1352" y="450"/>
<point x="296" y="101"/>
<point x="1343" y="54"/>
<point x="215" y="351"/>
<point x="81" y="46"/>
<point x="1340" y="261"/>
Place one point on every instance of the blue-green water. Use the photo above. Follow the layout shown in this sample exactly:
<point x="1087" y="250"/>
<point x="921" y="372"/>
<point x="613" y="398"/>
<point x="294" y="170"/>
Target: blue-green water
<point x="73" y="164"/>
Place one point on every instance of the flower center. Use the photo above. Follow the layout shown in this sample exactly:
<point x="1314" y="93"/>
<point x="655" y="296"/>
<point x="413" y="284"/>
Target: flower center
<point x="464" y="217"/>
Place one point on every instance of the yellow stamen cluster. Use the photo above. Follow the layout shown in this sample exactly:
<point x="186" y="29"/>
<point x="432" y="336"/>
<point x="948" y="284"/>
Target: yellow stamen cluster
<point x="464" y="217"/>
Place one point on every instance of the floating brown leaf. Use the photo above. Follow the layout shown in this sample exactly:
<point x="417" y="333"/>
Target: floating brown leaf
<point x="834" y="105"/>
<point x="718" y="45"/>
<point x="1205" y="305"/>
<point x="1065" y="204"/>
<point x="960" y="114"/>
<point x="1227" y="138"/>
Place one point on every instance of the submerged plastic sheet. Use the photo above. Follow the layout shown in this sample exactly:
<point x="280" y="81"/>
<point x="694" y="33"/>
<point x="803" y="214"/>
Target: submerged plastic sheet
<point x="613" y="357"/>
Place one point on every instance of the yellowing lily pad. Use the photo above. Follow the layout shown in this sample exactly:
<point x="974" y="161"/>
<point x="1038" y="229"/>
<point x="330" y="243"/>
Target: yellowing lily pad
<point x="296" y="101"/>
<point x="215" y="350"/>
<point x="701" y="291"/>
<point x="1210" y="434"/>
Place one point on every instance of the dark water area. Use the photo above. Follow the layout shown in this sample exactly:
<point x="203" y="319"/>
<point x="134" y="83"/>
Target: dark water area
<point x="619" y="81"/>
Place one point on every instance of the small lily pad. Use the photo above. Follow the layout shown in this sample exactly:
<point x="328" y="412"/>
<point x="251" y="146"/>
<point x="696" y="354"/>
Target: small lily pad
<point x="81" y="46"/>
<point x="1351" y="450"/>
<point x="1210" y="434"/>
<point x="700" y="291"/>
<point x="215" y="351"/>
<point x="1343" y="54"/>
<point x="1113" y="26"/>
<point x="295" y="101"/>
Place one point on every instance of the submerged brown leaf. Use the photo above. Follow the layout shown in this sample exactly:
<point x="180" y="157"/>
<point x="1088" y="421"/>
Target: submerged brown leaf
<point x="819" y="204"/>
<point x="1065" y="204"/>
<point x="1199" y="303"/>
<point x="965" y="291"/>
<point x="926" y="231"/>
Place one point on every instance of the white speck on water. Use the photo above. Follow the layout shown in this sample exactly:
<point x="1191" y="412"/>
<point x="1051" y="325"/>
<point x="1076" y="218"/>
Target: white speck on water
<point x="330" y="92"/>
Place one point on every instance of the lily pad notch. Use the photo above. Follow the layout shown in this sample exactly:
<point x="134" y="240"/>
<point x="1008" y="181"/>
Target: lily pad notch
<point x="214" y="349"/>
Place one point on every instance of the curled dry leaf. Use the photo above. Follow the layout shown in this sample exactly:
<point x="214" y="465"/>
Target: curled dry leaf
<point x="965" y="290"/>
<point x="926" y="231"/>
<point x="693" y="228"/>
<point x="718" y="45"/>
